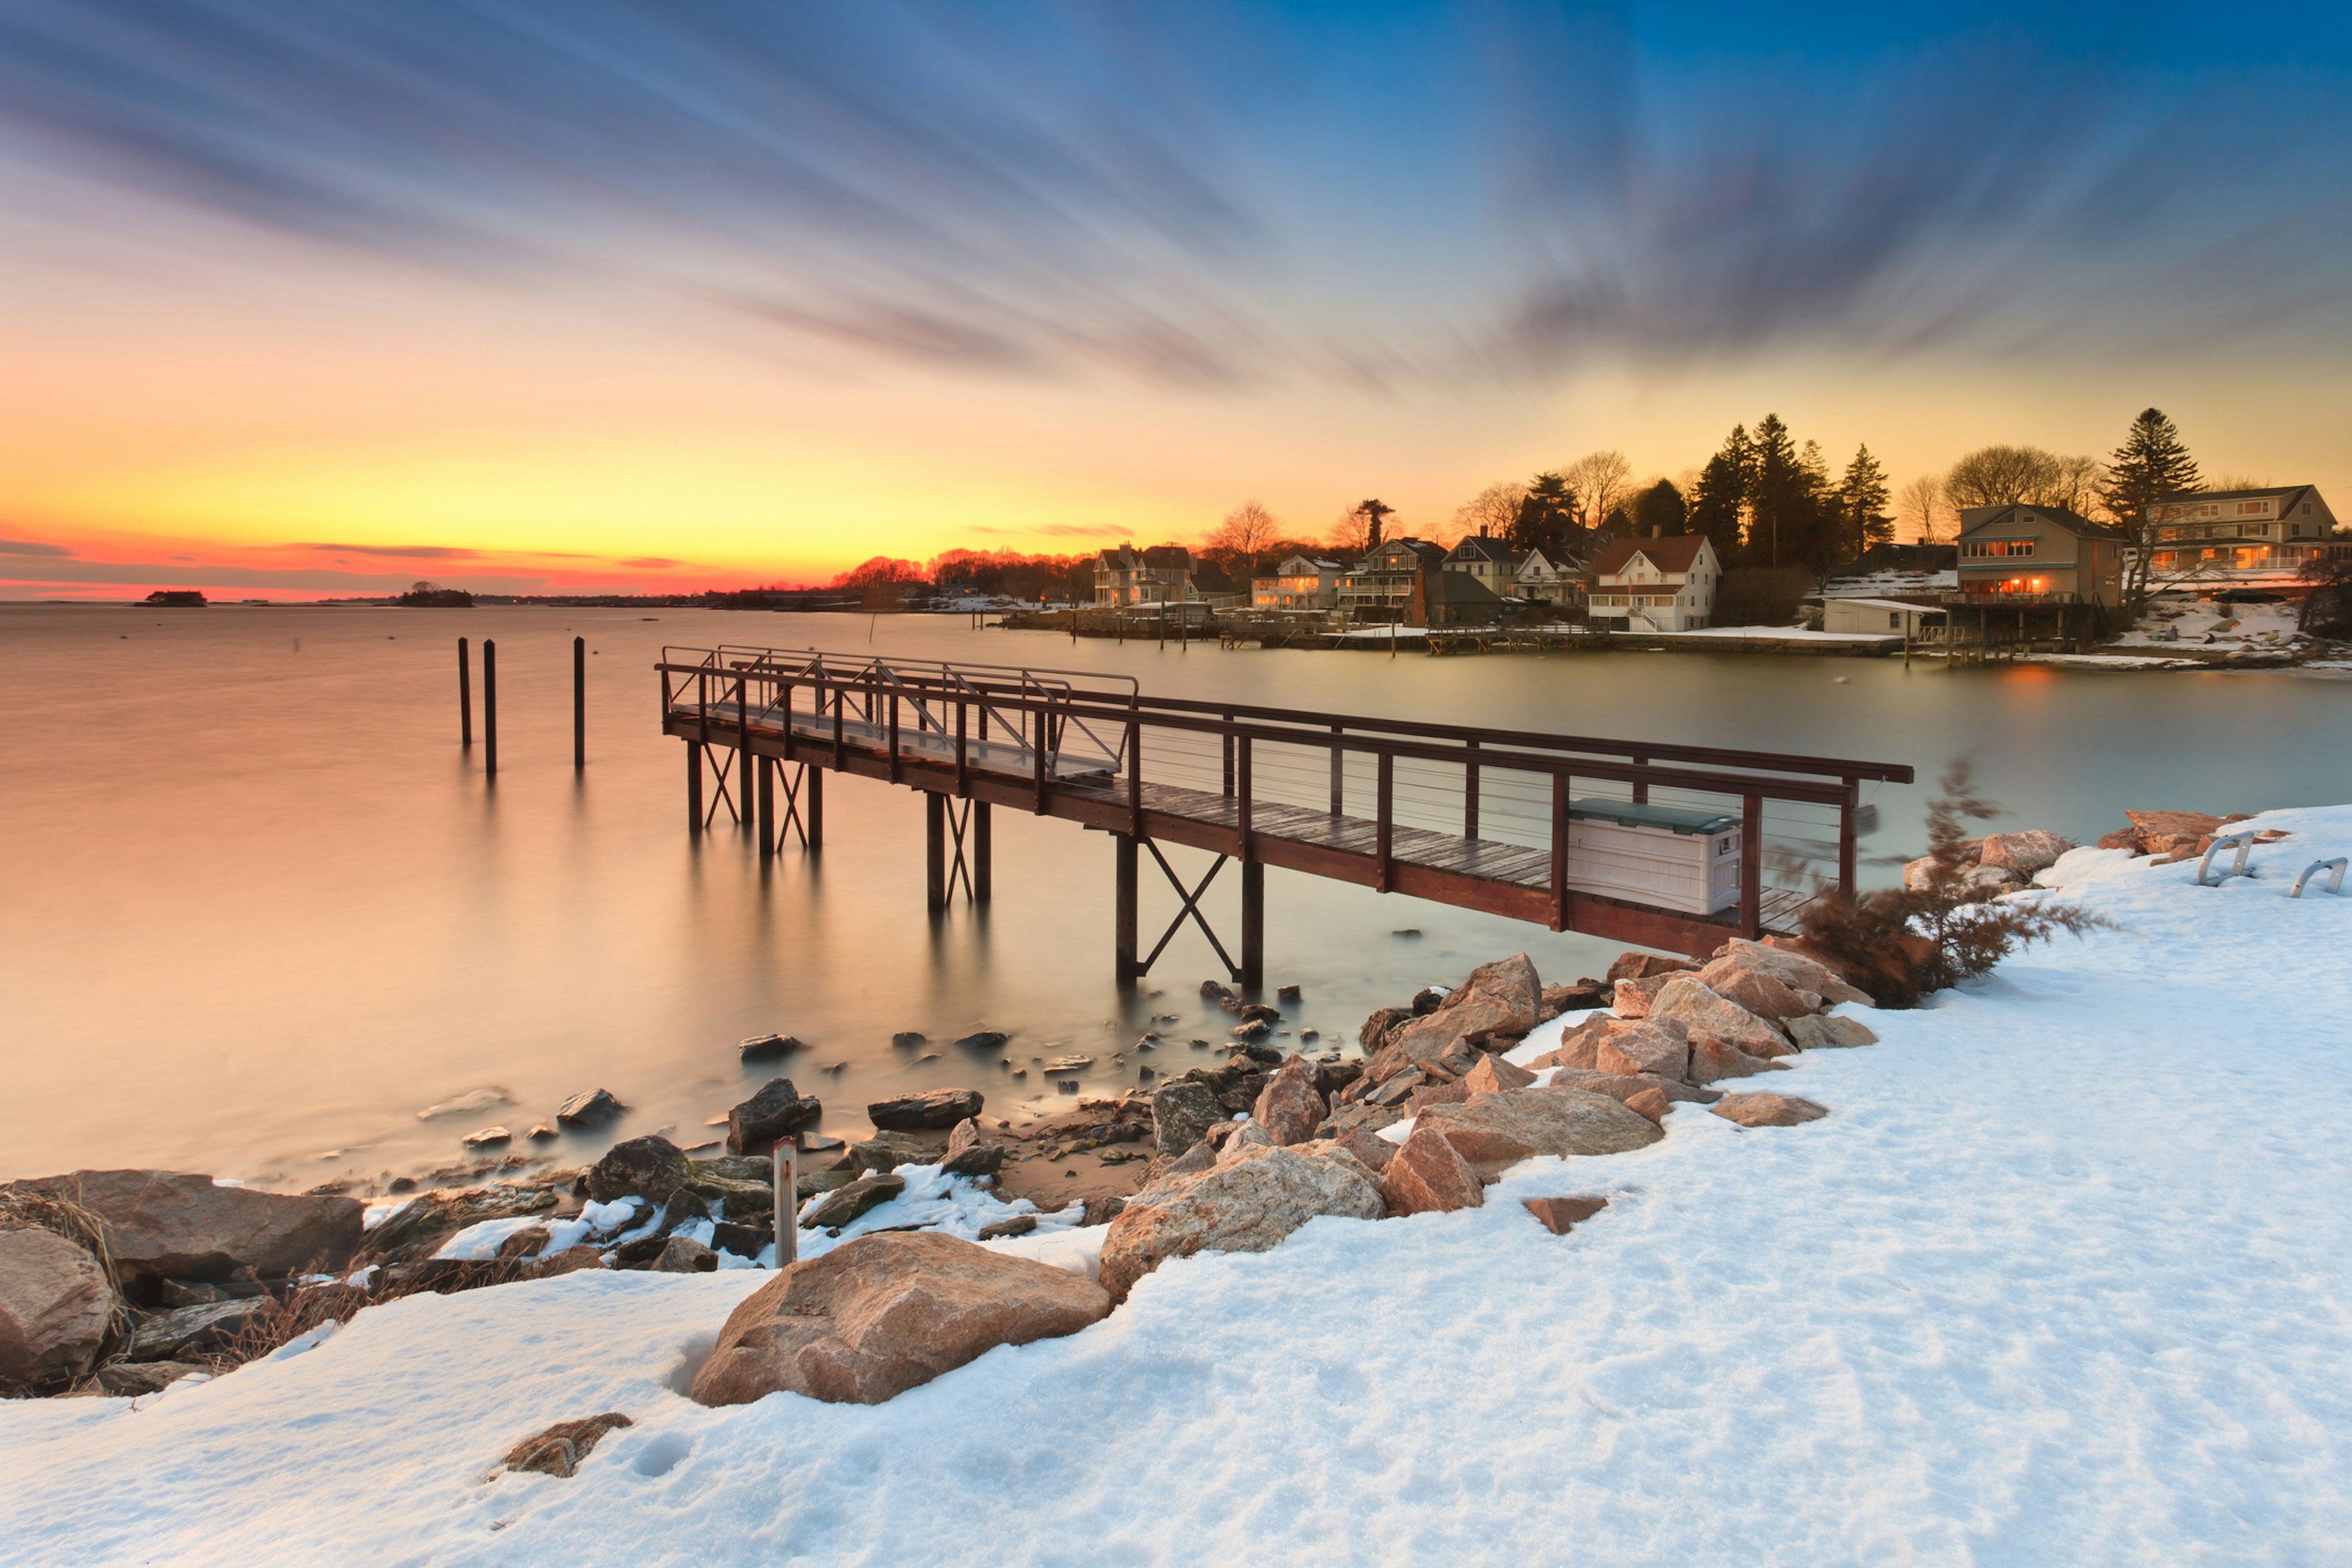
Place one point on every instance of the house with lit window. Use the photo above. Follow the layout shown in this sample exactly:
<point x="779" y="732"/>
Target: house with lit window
<point x="1654" y="584"/>
<point x="2027" y="556"/>
<point x="1553" y="583"/>
<point x="1380" y="587"/>
<point x="1159" y="575"/>
<point x="1301" y="582"/>
<point x="2238" y="539"/>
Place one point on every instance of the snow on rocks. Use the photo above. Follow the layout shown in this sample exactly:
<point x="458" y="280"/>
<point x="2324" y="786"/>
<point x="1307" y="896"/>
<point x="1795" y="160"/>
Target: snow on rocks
<point x="1253" y="1196"/>
<point x="885" y="1313"/>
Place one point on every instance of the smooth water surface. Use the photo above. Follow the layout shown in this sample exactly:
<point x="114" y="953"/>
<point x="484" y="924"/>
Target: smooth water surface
<point x="258" y="907"/>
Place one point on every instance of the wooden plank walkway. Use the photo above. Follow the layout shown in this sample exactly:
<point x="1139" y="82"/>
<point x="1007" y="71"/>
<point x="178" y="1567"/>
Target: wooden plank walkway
<point x="972" y="734"/>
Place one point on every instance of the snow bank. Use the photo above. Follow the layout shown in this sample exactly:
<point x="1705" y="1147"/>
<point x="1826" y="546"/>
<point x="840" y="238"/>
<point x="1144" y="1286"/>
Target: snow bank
<point x="2060" y="1280"/>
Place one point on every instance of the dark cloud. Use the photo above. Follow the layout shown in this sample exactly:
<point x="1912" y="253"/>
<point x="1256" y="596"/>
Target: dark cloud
<point x="1213" y="197"/>
<point x="31" y="547"/>
<point x="411" y="551"/>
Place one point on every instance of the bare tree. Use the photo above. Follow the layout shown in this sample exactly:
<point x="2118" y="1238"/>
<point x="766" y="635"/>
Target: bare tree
<point x="2003" y="476"/>
<point x="2235" y="482"/>
<point x="1603" y="481"/>
<point x="2077" y="486"/>
<point x="1492" y="511"/>
<point x="1244" y="533"/>
<point x="1921" y="506"/>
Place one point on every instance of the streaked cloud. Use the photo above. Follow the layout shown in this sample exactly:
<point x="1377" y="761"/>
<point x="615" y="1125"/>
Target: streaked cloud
<point x="415" y="552"/>
<point x="31" y="547"/>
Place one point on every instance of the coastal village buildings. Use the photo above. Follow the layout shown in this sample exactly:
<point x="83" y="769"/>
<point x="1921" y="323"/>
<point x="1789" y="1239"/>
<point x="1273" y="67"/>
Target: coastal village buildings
<point x="2239" y="539"/>
<point x="1493" y="565"/>
<point x="1656" y="585"/>
<point x="1301" y="582"/>
<point x="1125" y="575"/>
<point x="2026" y="556"/>
<point x="1552" y="582"/>
<point x="1381" y="587"/>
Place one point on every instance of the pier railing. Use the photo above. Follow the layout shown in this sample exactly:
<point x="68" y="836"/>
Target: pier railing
<point x="1442" y="798"/>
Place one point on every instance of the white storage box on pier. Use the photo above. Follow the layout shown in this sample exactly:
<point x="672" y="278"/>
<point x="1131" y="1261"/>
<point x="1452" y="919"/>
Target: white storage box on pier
<point x="1672" y="857"/>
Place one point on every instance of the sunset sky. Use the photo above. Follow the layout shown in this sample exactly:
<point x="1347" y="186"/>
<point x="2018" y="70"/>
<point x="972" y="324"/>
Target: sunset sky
<point x="299" y="300"/>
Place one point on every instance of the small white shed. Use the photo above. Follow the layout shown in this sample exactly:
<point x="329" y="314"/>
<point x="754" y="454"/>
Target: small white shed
<point x="1887" y="617"/>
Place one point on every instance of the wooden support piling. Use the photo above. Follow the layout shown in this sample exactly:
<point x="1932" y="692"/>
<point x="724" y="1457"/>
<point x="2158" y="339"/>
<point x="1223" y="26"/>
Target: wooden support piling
<point x="490" y="708"/>
<point x="694" y="786"/>
<point x="465" y="698"/>
<point x="814" y="789"/>
<point x="1252" y="924"/>
<point x="983" y="880"/>
<point x="1124" y="966"/>
<point x="764" y="769"/>
<point x="1751" y="865"/>
<point x="579" y="704"/>
<point x="788" y="1203"/>
<point x="935" y="850"/>
<point x="1847" y="810"/>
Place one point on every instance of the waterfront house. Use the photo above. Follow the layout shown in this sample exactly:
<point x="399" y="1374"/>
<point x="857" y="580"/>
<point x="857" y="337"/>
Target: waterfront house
<point x="1491" y="563"/>
<point x="1162" y="574"/>
<point x="1658" y="584"/>
<point x="1560" y="583"/>
<point x="2028" y="556"/>
<point x="1447" y="598"/>
<point x="2238" y="539"/>
<point x="1301" y="582"/>
<point x="1380" y="587"/>
<point x="1887" y="617"/>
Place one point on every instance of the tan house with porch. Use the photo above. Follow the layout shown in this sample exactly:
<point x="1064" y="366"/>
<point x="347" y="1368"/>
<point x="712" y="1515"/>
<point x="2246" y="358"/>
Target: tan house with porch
<point x="2238" y="539"/>
<point x="2028" y="556"/>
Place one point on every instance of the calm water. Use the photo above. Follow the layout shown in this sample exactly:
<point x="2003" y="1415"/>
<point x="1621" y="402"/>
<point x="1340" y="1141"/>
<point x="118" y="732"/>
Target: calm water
<point x="257" y="908"/>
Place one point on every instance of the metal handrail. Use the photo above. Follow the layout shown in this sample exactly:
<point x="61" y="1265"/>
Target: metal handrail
<point x="2242" y="840"/>
<point x="2335" y="882"/>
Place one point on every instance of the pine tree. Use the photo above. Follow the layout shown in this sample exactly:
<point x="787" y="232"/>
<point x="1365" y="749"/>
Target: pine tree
<point x="1659" y="509"/>
<point x="2152" y="463"/>
<point x="1547" y="520"/>
<point x="1720" y="498"/>
<point x="1861" y="501"/>
<point x="1783" y="499"/>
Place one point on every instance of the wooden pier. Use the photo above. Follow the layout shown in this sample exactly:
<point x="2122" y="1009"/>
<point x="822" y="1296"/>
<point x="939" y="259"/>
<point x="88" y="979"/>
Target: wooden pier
<point x="1478" y="818"/>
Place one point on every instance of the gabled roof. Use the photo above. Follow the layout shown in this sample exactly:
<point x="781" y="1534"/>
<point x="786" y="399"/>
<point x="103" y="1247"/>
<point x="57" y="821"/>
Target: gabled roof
<point x="1676" y="552"/>
<point x="2284" y="491"/>
<point x="1480" y="547"/>
<point x="1421" y="549"/>
<point x="1457" y="588"/>
<point x="1974" y="519"/>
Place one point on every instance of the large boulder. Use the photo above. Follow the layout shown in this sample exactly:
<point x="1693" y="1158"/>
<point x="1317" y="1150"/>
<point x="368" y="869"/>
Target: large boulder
<point x="1496" y="1131"/>
<point x="777" y="1111"/>
<point x="1654" y="1048"/>
<point x="166" y="1225"/>
<point x="881" y="1314"/>
<point x="967" y="1156"/>
<point x="1247" y="1202"/>
<point x="54" y="1307"/>
<point x="2034" y="849"/>
<point x="651" y="1167"/>
<point x="1493" y="1074"/>
<point x="935" y="1108"/>
<point x="1767" y="1109"/>
<point x="1429" y="1175"/>
<point x="2163" y="828"/>
<point x="1796" y="970"/>
<point x="843" y="1204"/>
<point x="1709" y="1019"/>
<point x="1830" y="1030"/>
<point x="1644" y="966"/>
<point x="1633" y="997"/>
<point x="1182" y="1111"/>
<point x="1290" y="1106"/>
<point x="1511" y="981"/>
<point x="1711" y="1061"/>
<point x="589" y="1108"/>
<point x="1500" y="1002"/>
<point x="1739" y="980"/>
<point x="1624" y="1087"/>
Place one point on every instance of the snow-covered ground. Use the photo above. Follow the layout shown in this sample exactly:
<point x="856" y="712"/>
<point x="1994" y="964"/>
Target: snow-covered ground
<point x="2061" y="1280"/>
<point x="2230" y="626"/>
<point x="1781" y="633"/>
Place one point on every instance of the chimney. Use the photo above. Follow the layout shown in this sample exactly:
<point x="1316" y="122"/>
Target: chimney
<point x="1657" y="531"/>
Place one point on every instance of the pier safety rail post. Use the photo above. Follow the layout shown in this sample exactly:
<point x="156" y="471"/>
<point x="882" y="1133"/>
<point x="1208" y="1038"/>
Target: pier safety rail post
<point x="465" y="698"/>
<point x="579" y="704"/>
<point x="490" y="708"/>
<point x="788" y="1200"/>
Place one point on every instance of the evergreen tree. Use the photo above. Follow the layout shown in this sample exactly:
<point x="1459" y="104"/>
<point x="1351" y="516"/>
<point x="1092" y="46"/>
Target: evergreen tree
<point x="1719" y="501"/>
<point x="2152" y="463"/>
<point x="1659" y="509"/>
<point x="1862" y="499"/>
<point x="1784" y="500"/>
<point x="1547" y="520"/>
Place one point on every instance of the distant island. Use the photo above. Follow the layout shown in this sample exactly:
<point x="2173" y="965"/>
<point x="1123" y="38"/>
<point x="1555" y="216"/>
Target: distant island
<point x="176" y="599"/>
<point x="432" y="595"/>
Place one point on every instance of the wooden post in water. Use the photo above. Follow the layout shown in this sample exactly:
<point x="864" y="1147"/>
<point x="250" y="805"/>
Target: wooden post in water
<point x="694" y="786"/>
<point x="465" y="698"/>
<point x="1252" y="924"/>
<point x="579" y="704"/>
<point x="490" y="708"/>
<point x="788" y="1201"/>
<point x="764" y="770"/>
<point x="983" y="880"/>
<point x="935" y="850"/>
<point x="1123" y="910"/>
<point x="816" y="813"/>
